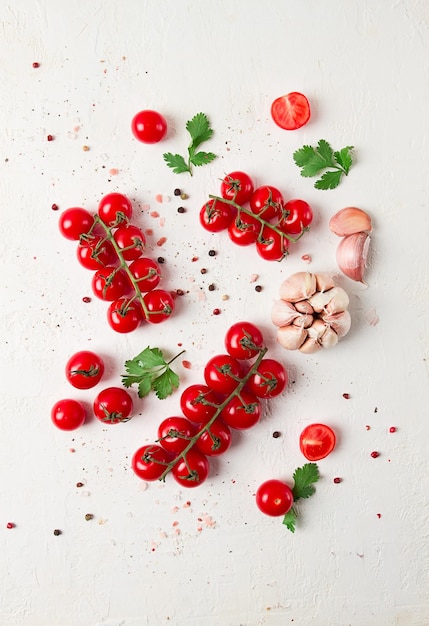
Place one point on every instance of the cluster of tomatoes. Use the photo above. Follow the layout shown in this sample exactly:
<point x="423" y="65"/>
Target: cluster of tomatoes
<point x="230" y="398"/>
<point x="112" y="405"/>
<point x="113" y="248"/>
<point x="256" y="216"/>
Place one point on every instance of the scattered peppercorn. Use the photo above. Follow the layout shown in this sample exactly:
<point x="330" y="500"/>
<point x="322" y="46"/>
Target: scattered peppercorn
<point x="57" y="532"/>
<point x="378" y="515"/>
<point x="203" y="270"/>
<point x="225" y="297"/>
<point x="216" y="311"/>
<point x="258" y="288"/>
<point x="177" y="192"/>
<point x="392" y="429"/>
<point x="85" y="148"/>
<point x="36" y="64"/>
<point x="276" y="434"/>
<point x="180" y="292"/>
<point x="337" y="480"/>
<point x="10" y="525"/>
<point x="89" y="516"/>
<point x="50" y="137"/>
<point x="161" y="259"/>
<point x="346" y="396"/>
<point x="375" y="454"/>
<point x="212" y="252"/>
<point x="86" y="299"/>
<point x="55" y="207"/>
<point x="79" y="485"/>
<point x="211" y="287"/>
<point x="184" y="196"/>
<point x="181" y="209"/>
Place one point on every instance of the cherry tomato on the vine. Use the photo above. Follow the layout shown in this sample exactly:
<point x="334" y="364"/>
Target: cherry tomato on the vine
<point x="237" y="186"/>
<point x="149" y="462"/>
<point x="299" y="215"/>
<point x="274" y="497"/>
<point x="115" y="209"/>
<point x="215" y="440"/>
<point x="222" y="373"/>
<point x="113" y="405"/>
<point x="216" y="215"/>
<point x="198" y="402"/>
<point x="317" y="441"/>
<point x="95" y="253"/>
<point x="269" y="380"/>
<point x="146" y="272"/>
<point x="148" y="126"/>
<point x="131" y="240"/>
<point x="271" y="246"/>
<point x="242" y="411"/>
<point x="84" y="369"/>
<point x="174" y="433"/>
<point x="68" y="414"/>
<point x="244" y="229"/>
<point x="243" y="340"/>
<point x="159" y="305"/>
<point x="110" y="283"/>
<point x="291" y="111"/>
<point x="192" y="470"/>
<point x="267" y="202"/>
<point x="75" y="222"/>
<point x="124" y="315"/>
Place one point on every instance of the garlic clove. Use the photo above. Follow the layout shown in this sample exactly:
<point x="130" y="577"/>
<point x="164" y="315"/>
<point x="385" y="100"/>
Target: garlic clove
<point x="339" y="322"/>
<point x="324" y="282"/>
<point x="350" y="221"/>
<point x="329" y="338"/>
<point x="283" y="313"/>
<point x="297" y="287"/>
<point x="310" y="346"/>
<point x="316" y="330"/>
<point x="352" y="253"/>
<point x="339" y="301"/>
<point x="321" y="299"/>
<point x="303" y="306"/>
<point x="291" y="337"/>
<point x="305" y="320"/>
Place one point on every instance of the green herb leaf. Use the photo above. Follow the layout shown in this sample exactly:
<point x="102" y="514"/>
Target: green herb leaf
<point x="289" y="520"/>
<point x="304" y="478"/>
<point x="312" y="161"/>
<point x="176" y="162"/>
<point x="201" y="158"/>
<point x="199" y="129"/>
<point x="151" y="372"/>
<point x="329" y="180"/>
<point x="344" y="158"/>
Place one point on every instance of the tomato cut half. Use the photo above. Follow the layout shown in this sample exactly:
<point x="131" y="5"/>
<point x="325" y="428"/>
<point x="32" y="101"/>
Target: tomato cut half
<point x="291" y="111"/>
<point x="317" y="441"/>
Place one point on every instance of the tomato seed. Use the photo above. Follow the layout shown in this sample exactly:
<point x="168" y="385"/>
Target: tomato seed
<point x="337" y="480"/>
<point x="375" y="454"/>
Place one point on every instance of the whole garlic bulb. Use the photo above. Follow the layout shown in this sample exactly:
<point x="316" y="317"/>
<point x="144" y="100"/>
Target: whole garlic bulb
<point x="311" y="313"/>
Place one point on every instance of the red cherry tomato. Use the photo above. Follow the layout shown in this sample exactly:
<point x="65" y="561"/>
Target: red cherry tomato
<point x="291" y="111"/>
<point x="269" y="380"/>
<point x="222" y="373"/>
<point x="198" y="403"/>
<point x="75" y="222"/>
<point x="115" y="209"/>
<point x="68" y="414"/>
<point x="317" y="441"/>
<point x="113" y="405"/>
<point x="148" y="126"/>
<point x="192" y="470"/>
<point x="274" y="497"/>
<point x="267" y="202"/>
<point x="146" y="272"/>
<point x="237" y="186"/>
<point x="131" y="241"/>
<point x="244" y="229"/>
<point x="242" y="412"/>
<point x="216" y="215"/>
<point x="215" y="440"/>
<point x="95" y="253"/>
<point x="149" y="462"/>
<point x="124" y="315"/>
<point x="298" y="216"/>
<point x="243" y="340"/>
<point x="159" y="304"/>
<point x="174" y="433"/>
<point x="110" y="283"/>
<point x="84" y="369"/>
<point x="271" y="246"/>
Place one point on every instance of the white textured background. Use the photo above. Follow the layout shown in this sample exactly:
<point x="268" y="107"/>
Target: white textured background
<point x="146" y="559"/>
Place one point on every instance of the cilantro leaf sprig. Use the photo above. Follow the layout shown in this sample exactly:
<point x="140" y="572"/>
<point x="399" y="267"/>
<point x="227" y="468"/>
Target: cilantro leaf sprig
<point x="151" y="372"/>
<point x="312" y="161"/>
<point x="200" y="131"/>
<point x="304" y="478"/>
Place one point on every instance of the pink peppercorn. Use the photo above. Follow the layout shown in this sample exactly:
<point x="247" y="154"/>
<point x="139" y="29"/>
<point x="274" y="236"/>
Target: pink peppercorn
<point x="50" y="137"/>
<point x="392" y="429"/>
<point x="375" y="454"/>
<point x="10" y="525"/>
<point x="216" y="311"/>
<point x="36" y="64"/>
<point x="337" y="480"/>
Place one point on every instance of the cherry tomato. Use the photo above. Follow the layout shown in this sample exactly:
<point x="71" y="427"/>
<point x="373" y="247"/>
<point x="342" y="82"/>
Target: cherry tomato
<point x="115" y="209"/>
<point x="146" y="272"/>
<point x="96" y="253"/>
<point x="317" y="441"/>
<point x="243" y="340"/>
<point x="271" y="246"/>
<point x="244" y="229"/>
<point x="113" y="405"/>
<point x="222" y="373"/>
<point x="291" y="111"/>
<point x="198" y="403"/>
<point x="192" y="470"/>
<point x="159" y="304"/>
<point x="110" y="283"/>
<point x="149" y="462"/>
<point x="216" y="215"/>
<point x="215" y="440"/>
<point x="174" y="433"/>
<point x="131" y="241"/>
<point x="75" y="222"/>
<point x="242" y="412"/>
<point x="237" y="186"/>
<point x="68" y="414"/>
<point x="84" y="369"/>
<point x="298" y="216"/>
<point x="148" y="126"/>
<point x="124" y="315"/>
<point x="274" y="497"/>
<point x="269" y="380"/>
<point x="267" y="202"/>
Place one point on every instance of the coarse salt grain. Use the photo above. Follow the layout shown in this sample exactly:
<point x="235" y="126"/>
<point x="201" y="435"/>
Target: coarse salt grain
<point x="253" y="278"/>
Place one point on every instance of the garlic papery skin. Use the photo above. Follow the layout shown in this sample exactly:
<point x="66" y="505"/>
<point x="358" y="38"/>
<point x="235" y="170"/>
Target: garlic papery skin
<point x="291" y="337"/>
<point x="352" y="252"/>
<point x="329" y="339"/>
<point x="339" y="322"/>
<point x="283" y="313"/>
<point x="324" y="282"/>
<point x="350" y="221"/>
<point x="297" y="287"/>
<point x="339" y="301"/>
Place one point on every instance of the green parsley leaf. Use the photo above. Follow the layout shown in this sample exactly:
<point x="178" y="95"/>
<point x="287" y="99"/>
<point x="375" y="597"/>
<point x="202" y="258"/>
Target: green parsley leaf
<point x="304" y="477"/>
<point x="289" y="520"/>
<point x="200" y="131"/>
<point x="151" y="372"/>
<point x="312" y="161"/>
